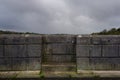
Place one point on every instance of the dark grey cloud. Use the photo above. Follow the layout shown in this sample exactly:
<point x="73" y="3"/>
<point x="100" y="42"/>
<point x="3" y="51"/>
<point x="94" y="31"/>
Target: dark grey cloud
<point x="59" y="16"/>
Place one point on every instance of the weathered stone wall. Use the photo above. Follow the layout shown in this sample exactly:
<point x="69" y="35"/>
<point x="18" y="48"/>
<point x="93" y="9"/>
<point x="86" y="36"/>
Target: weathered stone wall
<point x="28" y="52"/>
<point x="59" y="48"/>
<point x="98" y="52"/>
<point x="20" y="52"/>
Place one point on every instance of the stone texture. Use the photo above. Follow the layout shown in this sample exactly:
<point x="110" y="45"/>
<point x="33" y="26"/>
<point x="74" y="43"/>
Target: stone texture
<point x="83" y="50"/>
<point x="110" y="51"/>
<point x="1" y="40"/>
<point x="5" y="64"/>
<point x="14" y="40"/>
<point x="60" y="58"/>
<point x="105" y="63"/>
<point x="110" y="40"/>
<point x="15" y="51"/>
<point x="21" y="39"/>
<point x="59" y="39"/>
<point x="34" y="64"/>
<point x="36" y="39"/>
<point x="19" y="64"/>
<point x="119" y="50"/>
<point x="60" y="49"/>
<point x="34" y="50"/>
<point x="83" y="64"/>
<point x="84" y="40"/>
<point x="59" y="67"/>
<point x="95" y="51"/>
<point x="96" y="41"/>
<point x="1" y="51"/>
<point x="23" y="52"/>
<point x="2" y="64"/>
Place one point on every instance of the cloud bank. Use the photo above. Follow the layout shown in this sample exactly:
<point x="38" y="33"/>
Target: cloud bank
<point x="59" y="16"/>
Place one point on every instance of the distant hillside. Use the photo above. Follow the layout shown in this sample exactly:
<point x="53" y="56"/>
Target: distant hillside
<point x="13" y="32"/>
<point x="112" y="31"/>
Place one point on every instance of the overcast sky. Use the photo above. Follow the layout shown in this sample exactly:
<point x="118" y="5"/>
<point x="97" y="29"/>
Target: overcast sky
<point x="59" y="16"/>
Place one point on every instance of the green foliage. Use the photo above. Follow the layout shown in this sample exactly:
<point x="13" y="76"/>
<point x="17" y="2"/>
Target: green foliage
<point x="112" y="31"/>
<point x="14" y="77"/>
<point x="13" y="32"/>
<point x="41" y="74"/>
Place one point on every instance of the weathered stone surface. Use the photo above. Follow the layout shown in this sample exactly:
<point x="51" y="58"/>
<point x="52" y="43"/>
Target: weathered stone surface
<point x="1" y="51"/>
<point x="96" y="41"/>
<point x="59" y="39"/>
<point x="60" y="58"/>
<point x="105" y="63"/>
<point x="110" y="51"/>
<point x="88" y="51"/>
<point x="119" y="50"/>
<point x="84" y="40"/>
<point x="83" y="64"/>
<point x="33" y="39"/>
<point x="15" y="51"/>
<point x="19" y="64"/>
<point x="83" y="50"/>
<point x="23" y="52"/>
<point x="98" y="63"/>
<point x="60" y="67"/>
<point x="110" y="40"/>
<point x="60" y="49"/>
<point x="5" y="64"/>
<point x="20" y="39"/>
<point x="2" y="64"/>
<point x="1" y="40"/>
<point x="14" y="40"/>
<point x="34" y="64"/>
<point x="26" y="64"/>
<point x="34" y="50"/>
<point x="95" y="51"/>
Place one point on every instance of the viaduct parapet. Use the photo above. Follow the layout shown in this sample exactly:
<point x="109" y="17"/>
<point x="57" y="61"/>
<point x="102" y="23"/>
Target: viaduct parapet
<point x="87" y="52"/>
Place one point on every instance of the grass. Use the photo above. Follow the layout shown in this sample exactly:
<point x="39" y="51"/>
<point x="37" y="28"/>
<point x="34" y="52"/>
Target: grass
<point x="41" y="74"/>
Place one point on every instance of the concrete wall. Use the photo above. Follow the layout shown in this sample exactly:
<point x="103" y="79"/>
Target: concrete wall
<point x="20" y="52"/>
<point x="59" y="48"/>
<point x="28" y="52"/>
<point x="98" y="52"/>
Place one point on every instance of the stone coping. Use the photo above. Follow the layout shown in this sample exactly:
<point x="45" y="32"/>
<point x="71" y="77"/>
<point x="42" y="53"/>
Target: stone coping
<point x="39" y="74"/>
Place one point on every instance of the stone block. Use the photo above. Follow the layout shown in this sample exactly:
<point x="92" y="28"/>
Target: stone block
<point x="60" y="67"/>
<point x="110" y="40"/>
<point x="119" y="50"/>
<point x="59" y="39"/>
<point x="14" y="40"/>
<point x="84" y="40"/>
<point x="83" y="50"/>
<point x="19" y="64"/>
<point x="34" y="64"/>
<point x="15" y="51"/>
<point x="95" y="51"/>
<point x="33" y="39"/>
<point x="5" y="64"/>
<point x="59" y="49"/>
<point x="96" y="41"/>
<point x="1" y="51"/>
<point x="105" y="63"/>
<point x="110" y="51"/>
<point x="83" y="64"/>
<point x="1" y="40"/>
<point x="59" y="58"/>
<point x="34" y="50"/>
<point x="99" y="64"/>
<point x="2" y="64"/>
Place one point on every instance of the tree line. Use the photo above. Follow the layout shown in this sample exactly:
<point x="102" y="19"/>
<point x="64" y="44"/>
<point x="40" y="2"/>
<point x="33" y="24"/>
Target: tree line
<point x="112" y="31"/>
<point x="13" y="32"/>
